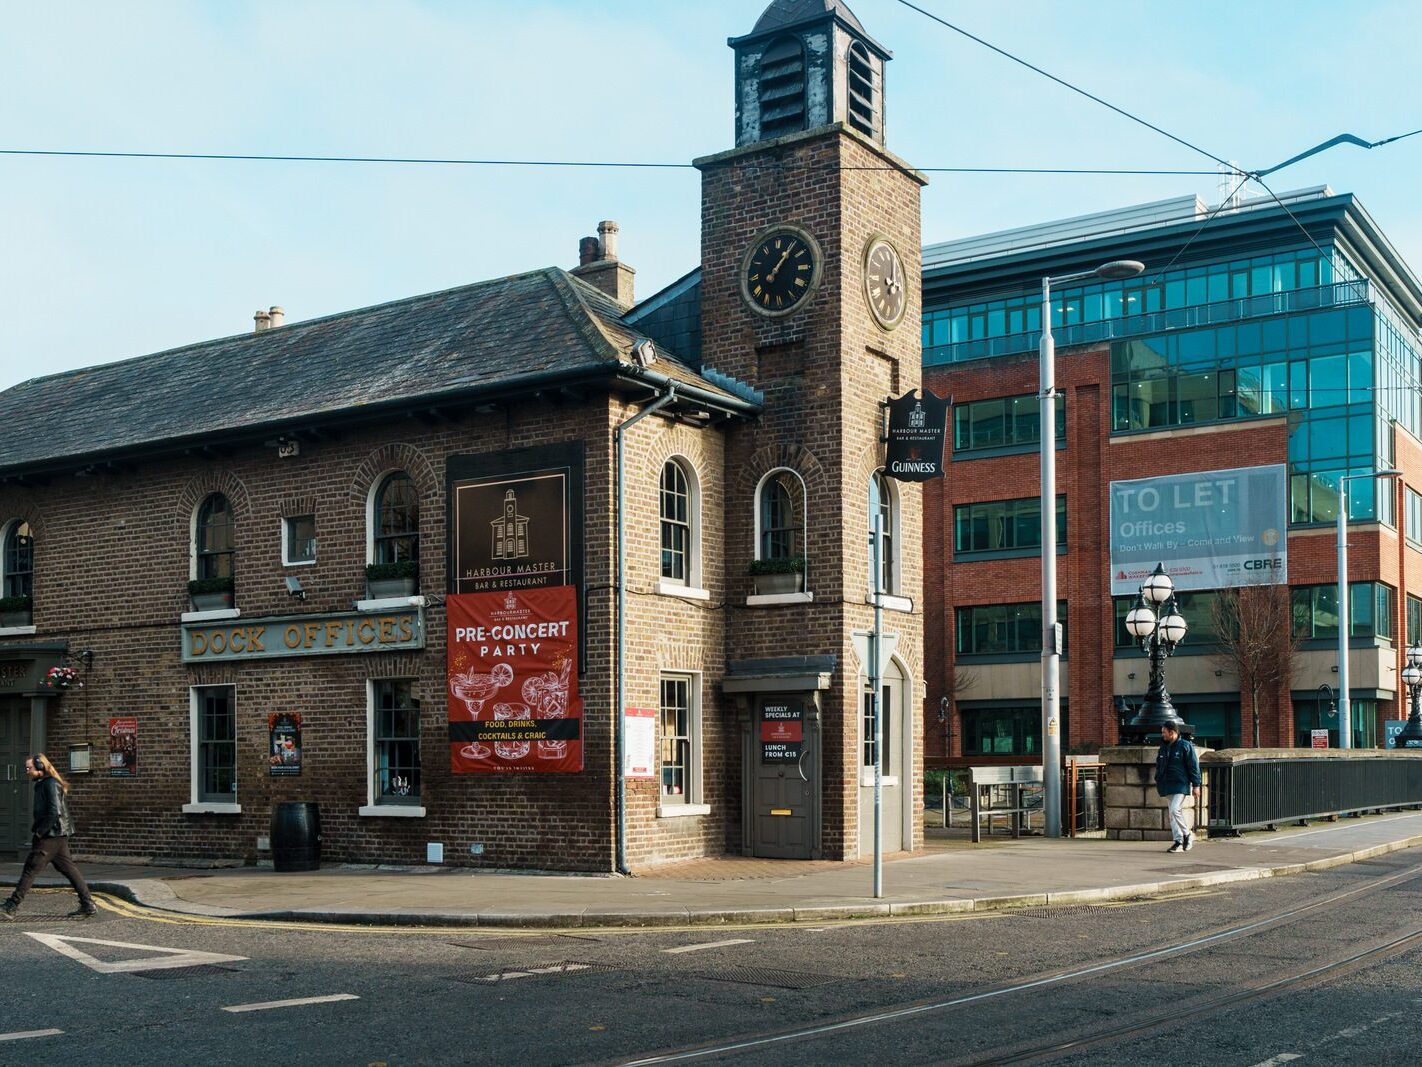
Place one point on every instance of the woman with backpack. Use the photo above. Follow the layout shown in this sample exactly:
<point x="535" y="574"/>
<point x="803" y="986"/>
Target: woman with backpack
<point x="53" y="826"/>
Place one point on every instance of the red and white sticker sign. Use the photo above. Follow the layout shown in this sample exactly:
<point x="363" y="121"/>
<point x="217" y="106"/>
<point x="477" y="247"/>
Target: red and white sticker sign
<point x="639" y="735"/>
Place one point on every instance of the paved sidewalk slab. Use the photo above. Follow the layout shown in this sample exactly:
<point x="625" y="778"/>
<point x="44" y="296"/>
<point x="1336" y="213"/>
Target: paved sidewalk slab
<point x="1029" y="872"/>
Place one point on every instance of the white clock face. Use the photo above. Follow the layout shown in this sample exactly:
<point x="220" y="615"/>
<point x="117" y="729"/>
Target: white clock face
<point x="885" y="284"/>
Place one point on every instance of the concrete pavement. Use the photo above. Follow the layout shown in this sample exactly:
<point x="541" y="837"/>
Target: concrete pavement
<point x="952" y="877"/>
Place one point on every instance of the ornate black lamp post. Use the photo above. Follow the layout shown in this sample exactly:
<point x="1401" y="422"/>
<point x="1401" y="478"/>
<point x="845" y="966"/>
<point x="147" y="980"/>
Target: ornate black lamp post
<point x="1159" y="628"/>
<point x="1411" y="735"/>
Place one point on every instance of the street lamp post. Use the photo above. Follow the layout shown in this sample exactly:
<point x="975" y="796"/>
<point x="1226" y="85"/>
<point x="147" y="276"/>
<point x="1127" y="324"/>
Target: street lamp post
<point x="1159" y="628"/>
<point x="1051" y="631"/>
<point x="1411" y="734"/>
<point x="1345" y="710"/>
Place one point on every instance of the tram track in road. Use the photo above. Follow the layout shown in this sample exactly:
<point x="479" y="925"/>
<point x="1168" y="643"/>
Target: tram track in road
<point x="1276" y="920"/>
<point x="1182" y="1012"/>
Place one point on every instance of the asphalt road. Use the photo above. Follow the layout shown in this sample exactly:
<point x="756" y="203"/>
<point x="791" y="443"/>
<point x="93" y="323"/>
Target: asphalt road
<point x="1210" y="978"/>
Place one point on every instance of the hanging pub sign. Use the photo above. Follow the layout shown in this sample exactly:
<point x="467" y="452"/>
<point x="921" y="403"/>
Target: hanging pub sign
<point x="917" y="428"/>
<point x="284" y="754"/>
<point x="123" y="748"/>
<point x="512" y="682"/>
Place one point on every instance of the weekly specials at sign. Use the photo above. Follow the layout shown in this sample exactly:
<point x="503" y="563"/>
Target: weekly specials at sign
<point x="1210" y="529"/>
<point x="513" y="682"/>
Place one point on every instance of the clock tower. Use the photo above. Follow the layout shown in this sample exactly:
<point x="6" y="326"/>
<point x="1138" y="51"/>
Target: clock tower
<point x="811" y="293"/>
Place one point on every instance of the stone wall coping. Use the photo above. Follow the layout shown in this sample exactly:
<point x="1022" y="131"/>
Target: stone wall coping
<point x="1245" y="755"/>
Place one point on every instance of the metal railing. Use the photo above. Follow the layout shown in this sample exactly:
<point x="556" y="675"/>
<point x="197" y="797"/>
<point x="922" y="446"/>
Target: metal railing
<point x="1336" y="294"/>
<point x="1247" y="794"/>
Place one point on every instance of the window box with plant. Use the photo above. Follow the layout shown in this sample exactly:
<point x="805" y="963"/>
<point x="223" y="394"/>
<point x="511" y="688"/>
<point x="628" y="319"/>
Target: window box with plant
<point x="386" y="580"/>
<point x="210" y="594"/>
<point x="783" y="575"/>
<point x="16" y="610"/>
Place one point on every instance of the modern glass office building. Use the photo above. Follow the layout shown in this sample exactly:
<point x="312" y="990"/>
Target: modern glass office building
<point x="1264" y="332"/>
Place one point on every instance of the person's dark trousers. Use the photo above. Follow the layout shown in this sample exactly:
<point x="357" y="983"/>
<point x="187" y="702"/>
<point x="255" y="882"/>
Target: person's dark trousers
<point x="47" y="851"/>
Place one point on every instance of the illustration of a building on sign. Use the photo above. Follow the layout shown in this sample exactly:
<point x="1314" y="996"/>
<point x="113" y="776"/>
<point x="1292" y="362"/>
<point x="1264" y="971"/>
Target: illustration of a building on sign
<point x="510" y="531"/>
<point x="918" y="418"/>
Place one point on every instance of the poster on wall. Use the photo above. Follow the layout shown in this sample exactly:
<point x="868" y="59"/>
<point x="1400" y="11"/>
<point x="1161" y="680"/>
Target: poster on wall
<point x="782" y="731"/>
<point x="639" y="743"/>
<point x="512" y="682"/>
<point x="284" y="753"/>
<point x="123" y="748"/>
<point x="1210" y="529"/>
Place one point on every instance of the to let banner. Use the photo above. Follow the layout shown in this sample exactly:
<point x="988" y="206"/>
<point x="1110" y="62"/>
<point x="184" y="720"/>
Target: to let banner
<point x="513" y="682"/>
<point x="1210" y="529"/>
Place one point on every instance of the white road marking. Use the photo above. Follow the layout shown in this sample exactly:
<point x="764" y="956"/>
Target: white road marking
<point x="710" y="944"/>
<point x="167" y="958"/>
<point x="299" y="1002"/>
<point x="1281" y="1058"/>
<point x="22" y="1035"/>
<point x="560" y="968"/>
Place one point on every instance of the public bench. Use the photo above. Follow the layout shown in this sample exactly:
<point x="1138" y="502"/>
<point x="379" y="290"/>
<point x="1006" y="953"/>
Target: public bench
<point x="997" y="792"/>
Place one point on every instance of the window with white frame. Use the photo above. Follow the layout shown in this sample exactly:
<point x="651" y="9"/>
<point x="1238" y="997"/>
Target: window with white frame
<point x="395" y="742"/>
<point x="1413" y="516"/>
<point x="679" y="524"/>
<point x="680" y="740"/>
<point x="215" y="536"/>
<point x="298" y="540"/>
<point x="215" y="744"/>
<point x="881" y="506"/>
<point x="869" y="733"/>
<point x="396" y="525"/>
<point x="782" y="516"/>
<point x="19" y="560"/>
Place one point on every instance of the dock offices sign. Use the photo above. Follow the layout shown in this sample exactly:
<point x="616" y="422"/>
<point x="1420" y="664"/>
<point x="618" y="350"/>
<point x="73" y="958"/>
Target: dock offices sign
<point x="1211" y="529"/>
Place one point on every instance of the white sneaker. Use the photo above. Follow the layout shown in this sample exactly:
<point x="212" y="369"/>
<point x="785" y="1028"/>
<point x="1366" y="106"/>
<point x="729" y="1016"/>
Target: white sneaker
<point x="1177" y="847"/>
<point x="1189" y="842"/>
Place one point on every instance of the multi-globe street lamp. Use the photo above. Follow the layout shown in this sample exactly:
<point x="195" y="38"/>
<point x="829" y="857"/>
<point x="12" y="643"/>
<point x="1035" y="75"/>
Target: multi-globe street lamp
<point x="1051" y="631"/>
<point x="1159" y="627"/>
<point x="1411" y="734"/>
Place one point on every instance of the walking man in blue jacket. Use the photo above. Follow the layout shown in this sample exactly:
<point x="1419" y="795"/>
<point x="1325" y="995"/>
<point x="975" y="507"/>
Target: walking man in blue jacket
<point x="1177" y="775"/>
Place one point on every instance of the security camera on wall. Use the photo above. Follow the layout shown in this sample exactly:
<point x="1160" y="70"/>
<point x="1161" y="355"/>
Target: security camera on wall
<point x="645" y="352"/>
<point x="293" y="588"/>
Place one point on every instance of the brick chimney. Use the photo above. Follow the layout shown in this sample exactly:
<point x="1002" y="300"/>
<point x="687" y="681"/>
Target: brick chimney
<point x="599" y="266"/>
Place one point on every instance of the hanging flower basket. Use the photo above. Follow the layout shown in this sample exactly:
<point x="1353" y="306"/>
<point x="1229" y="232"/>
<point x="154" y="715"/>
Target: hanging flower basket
<point x="63" y="678"/>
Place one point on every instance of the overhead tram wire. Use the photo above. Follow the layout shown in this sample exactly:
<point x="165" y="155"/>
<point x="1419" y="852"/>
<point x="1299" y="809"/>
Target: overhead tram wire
<point x="254" y="157"/>
<point x="1066" y="84"/>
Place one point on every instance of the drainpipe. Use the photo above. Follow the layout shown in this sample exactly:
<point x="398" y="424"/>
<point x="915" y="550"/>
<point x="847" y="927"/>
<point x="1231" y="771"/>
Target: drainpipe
<point x="621" y="710"/>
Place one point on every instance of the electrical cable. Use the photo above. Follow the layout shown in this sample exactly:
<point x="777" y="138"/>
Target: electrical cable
<point x="551" y="163"/>
<point x="1066" y="84"/>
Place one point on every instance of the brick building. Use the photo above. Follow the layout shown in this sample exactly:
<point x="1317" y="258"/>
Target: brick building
<point x="265" y="557"/>
<point x="1259" y="334"/>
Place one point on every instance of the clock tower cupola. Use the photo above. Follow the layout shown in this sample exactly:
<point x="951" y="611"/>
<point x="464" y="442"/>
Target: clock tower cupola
<point x="808" y="63"/>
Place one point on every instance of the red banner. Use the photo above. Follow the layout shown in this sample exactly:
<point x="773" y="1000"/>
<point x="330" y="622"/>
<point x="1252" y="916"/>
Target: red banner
<point x="513" y="682"/>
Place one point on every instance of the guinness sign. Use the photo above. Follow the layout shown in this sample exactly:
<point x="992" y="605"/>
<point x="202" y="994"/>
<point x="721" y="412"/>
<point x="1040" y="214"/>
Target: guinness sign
<point x="917" y="426"/>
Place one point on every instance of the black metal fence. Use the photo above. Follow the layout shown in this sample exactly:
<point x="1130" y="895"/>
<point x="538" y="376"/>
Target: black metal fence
<point x="1247" y="794"/>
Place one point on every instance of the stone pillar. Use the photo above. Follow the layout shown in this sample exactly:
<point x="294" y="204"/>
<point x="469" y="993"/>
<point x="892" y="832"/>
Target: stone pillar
<point x="1133" y="810"/>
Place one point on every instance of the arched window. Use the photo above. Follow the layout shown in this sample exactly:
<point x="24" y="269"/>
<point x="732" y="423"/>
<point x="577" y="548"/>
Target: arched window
<point x="782" y="516"/>
<point x="19" y="560"/>
<point x="676" y="524"/>
<point x="397" y="520"/>
<point x="881" y="505"/>
<point x="215" y="538"/>
<point x="863" y="97"/>
<point x="782" y="88"/>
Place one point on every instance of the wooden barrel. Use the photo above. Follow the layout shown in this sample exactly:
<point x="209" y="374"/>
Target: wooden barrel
<point x="296" y="837"/>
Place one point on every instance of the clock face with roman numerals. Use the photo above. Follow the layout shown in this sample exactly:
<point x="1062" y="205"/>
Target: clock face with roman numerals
<point x="780" y="270"/>
<point x="884" y="283"/>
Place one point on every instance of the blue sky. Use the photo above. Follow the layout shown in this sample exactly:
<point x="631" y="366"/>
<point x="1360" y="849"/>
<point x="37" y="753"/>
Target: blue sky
<point x="106" y="259"/>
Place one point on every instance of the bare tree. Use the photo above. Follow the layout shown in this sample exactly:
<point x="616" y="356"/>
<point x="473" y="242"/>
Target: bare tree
<point x="1254" y="626"/>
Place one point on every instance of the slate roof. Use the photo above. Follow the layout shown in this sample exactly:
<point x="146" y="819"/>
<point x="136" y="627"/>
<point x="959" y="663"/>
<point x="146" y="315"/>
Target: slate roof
<point x="785" y="13"/>
<point x="483" y="338"/>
